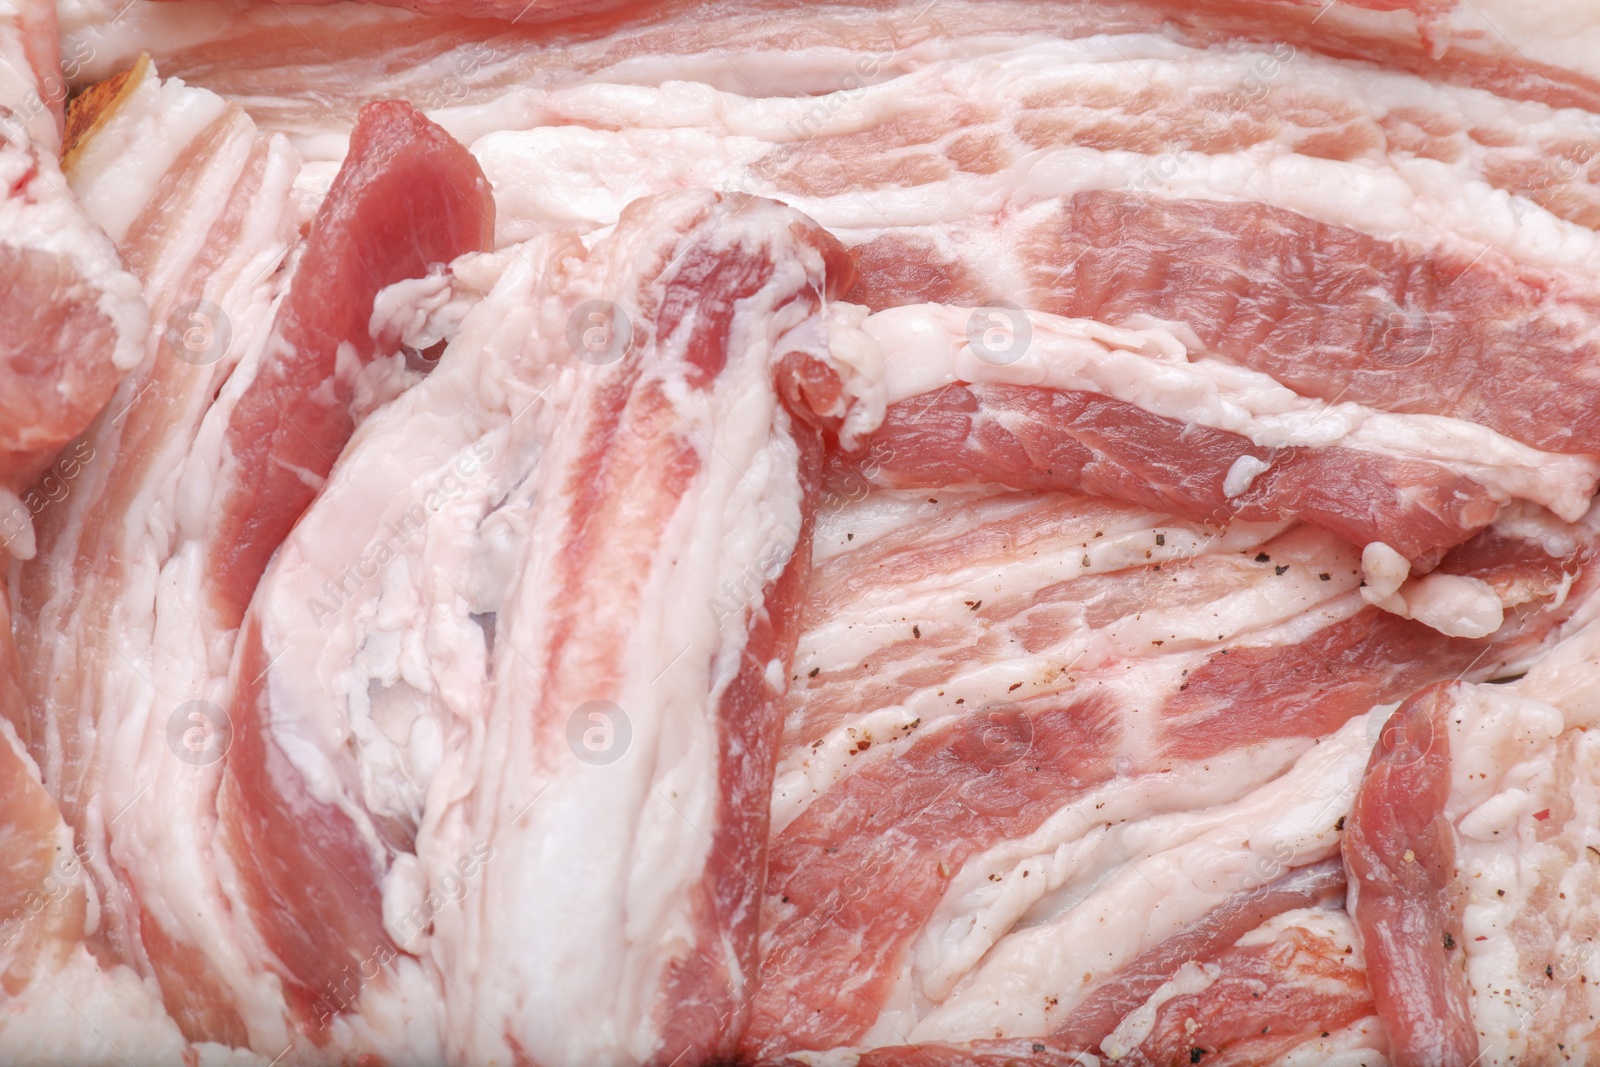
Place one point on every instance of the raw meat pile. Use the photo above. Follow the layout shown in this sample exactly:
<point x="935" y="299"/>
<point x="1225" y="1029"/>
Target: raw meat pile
<point x="863" y="533"/>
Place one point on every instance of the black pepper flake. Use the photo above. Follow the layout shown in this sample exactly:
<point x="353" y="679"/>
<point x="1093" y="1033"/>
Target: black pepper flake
<point x="1038" y="1047"/>
<point x="1279" y="570"/>
<point x="1195" y="1054"/>
<point x="814" y="672"/>
<point x="974" y="605"/>
<point x="1449" y="941"/>
<point x="1340" y="824"/>
<point x="849" y="537"/>
<point x="1161" y="539"/>
<point x="1014" y="687"/>
<point x="1325" y="576"/>
<point x="1262" y="557"/>
<point x="916" y="631"/>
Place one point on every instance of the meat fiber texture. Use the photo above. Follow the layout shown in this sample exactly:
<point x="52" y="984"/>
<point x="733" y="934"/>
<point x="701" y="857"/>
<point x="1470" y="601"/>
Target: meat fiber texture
<point x="865" y="533"/>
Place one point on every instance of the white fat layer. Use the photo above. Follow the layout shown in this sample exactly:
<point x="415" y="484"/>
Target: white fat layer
<point x="1130" y="885"/>
<point x="367" y="614"/>
<point x="44" y="1023"/>
<point x="1455" y="605"/>
<point x="1363" y="1043"/>
<point x="1525" y="801"/>
<point x="858" y="516"/>
<point x="419" y="312"/>
<point x="927" y="346"/>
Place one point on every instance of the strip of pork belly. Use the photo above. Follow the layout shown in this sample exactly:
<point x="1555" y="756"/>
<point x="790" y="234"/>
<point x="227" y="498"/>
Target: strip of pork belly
<point x="1135" y="1010"/>
<point x="1114" y="882"/>
<point x="1476" y="874"/>
<point x="1033" y="401"/>
<point x="1301" y="660"/>
<point x="370" y="635"/>
<point x="218" y="221"/>
<point x="904" y="144"/>
<point x="277" y="74"/>
<point x="200" y="205"/>
<point x="939" y="605"/>
<point x="407" y="200"/>
<point x="621" y="769"/>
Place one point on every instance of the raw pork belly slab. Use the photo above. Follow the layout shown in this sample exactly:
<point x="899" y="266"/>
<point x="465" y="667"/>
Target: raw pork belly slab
<point x="718" y="532"/>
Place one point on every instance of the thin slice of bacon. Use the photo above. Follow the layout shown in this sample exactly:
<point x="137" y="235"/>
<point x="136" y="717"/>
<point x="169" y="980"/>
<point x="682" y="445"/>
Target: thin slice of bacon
<point x="834" y="930"/>
<point x="1399" y="850"/>
<point x="1260" y="1001"/>
<point x="1099" y="1013"/>
<point x="1057" y="439"/>
<point x="1335" y="313"/>
<point x="407" y="199"/>
<point x="618" y="920"/>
